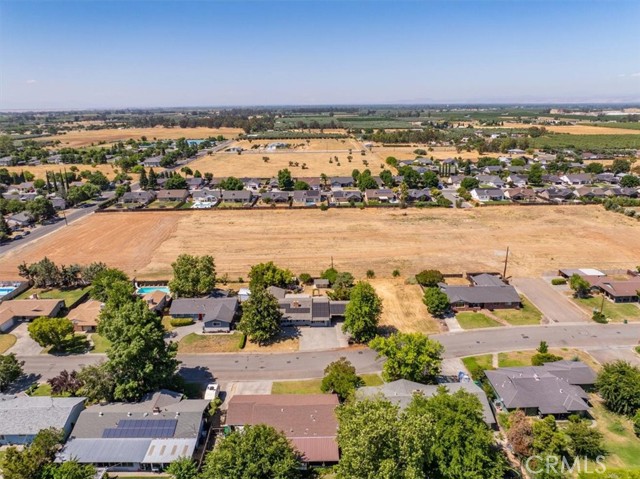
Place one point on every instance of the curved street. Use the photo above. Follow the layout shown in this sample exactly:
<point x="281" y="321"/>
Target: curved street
<point x="300" y="365"/>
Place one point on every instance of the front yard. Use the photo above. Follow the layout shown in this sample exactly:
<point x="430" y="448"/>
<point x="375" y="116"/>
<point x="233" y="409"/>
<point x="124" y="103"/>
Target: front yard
<point x="475" y="364"/>
<point x="212" y="343"/>
<point x="6" y="341"/>
<point x="469" y="320"/>
<point x="615" y="312"/>
<point x="70" y="296"/>
<point x="100" y="343"/>
<point x="528" y="314"/>
<point x="312" y="386"/>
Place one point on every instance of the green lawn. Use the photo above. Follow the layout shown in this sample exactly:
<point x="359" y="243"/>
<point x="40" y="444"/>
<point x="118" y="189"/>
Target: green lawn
<point x="42" y="390"/>
<point x="70" y="296"/>
<point x="213" y="343"/>
<point x="619" y="439"/>
<point x="528" y="314"/>
<point x="312" y="386"/>
<point x="515" y="359"/>
<point x="6" y="341"/>
<point x="615" y="312"/>
<point x="475" y="364"/>
<point x="476" y="320"/>
<point x="100" y="344"/>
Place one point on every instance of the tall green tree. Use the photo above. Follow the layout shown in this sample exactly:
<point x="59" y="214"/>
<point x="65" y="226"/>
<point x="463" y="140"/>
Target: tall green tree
<point x="285" y="181"/>
<point x="144" y="181"/>
<point x="256" y="452"/>
<point x="411" y="356"/>
<point x="437" y="301"/>
<point x="183" y="468"/>
<point x="5" y="230"/>
<point x="41" y="209"/>
<point x="362" y="314"/>
<point x="619" y="385"/>
<point x="98" y="383"/>
<point x="268" y="274"/>
<point x="30" y="462"/>
<point x="535" y="175"/>
<point x="139" y="359"/>
<point x="52" y="332"/>
<point x="584" y="440"/>
<point x="580" y="286"/>
<point x="152" y="182"/>
<point x="261" y="316"/>
<point x="193" y="276"/>
<point x="10" y="370"/>
<point x="340" y="377"/>
<point x="103" y="281"/>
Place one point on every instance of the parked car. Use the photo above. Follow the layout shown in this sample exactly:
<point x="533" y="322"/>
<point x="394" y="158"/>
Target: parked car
<point x="212" y="391"/>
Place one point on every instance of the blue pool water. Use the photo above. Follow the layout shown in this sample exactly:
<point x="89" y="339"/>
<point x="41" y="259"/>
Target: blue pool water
<point x="151" y="289"/>
<point x="4" y="290"/>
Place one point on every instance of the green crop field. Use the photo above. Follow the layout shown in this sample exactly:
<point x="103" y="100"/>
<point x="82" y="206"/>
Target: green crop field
<point x="624" y="125"/>
<point x="586" y="142"/>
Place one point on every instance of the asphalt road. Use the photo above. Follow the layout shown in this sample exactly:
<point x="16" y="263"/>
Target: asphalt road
<point x="247" y="366"/>
<point x="553" y="304"/>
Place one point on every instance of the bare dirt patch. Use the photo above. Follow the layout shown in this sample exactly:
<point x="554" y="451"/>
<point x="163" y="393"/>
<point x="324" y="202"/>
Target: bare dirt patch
<point x="402" y="307"/>
<point x="77" y="139"/>
<point x="541" y="239"/>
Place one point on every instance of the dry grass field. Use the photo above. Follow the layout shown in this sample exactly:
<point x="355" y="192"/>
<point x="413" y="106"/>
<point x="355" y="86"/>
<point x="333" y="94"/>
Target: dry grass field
<point x="402" y="307"/>
<point x="407" y="152"/>
<point x="316" y="154"/>
<point x="40" y="170"/>
<point x="571" y="129"/>
<point x="541" y="239"/>
<point x="81" y="138"/>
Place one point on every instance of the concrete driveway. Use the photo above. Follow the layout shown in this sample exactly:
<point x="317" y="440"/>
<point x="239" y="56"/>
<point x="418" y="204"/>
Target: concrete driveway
<point x="555" y="307"/>
<point x="322" y="339"/>
<point x="241" y="388"/>
<point x="609" y="355"/>
<point x="25" y="346"/>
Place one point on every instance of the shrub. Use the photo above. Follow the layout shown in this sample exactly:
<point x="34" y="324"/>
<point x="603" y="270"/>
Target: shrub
<point x="636" y="423"/>
<point x="599" y="317"/>
<point x="177" y="322"/>
<point x="243" y="341"/>
<point x="429" y="278"/>
<point x="395" y="273"/>
<point x="541" y="358"/>
<point x="371" y="274"/>
<point x="558" y="281"/>
<point x="305" y="278"/>
<point x="323" y="207"/>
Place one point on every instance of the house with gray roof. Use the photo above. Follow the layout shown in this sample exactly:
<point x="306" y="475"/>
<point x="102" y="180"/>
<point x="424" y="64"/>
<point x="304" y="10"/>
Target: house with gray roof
<point x="484" y="295"/>
<point x="555" y="388"/>
<point x="304" y="310"/>
<point x="344" y="197"/>
<point x="143" y="436"/>
<point x="22" y="417"/>
<point x="487" y="194"/>
<point x="215" y="314"/>
<point x="138" y="197"/>
<point x="237" y="196"/>
<point x="276" y="196"/>
<point x="307" y="197"/>
<point x="401" y="393"/>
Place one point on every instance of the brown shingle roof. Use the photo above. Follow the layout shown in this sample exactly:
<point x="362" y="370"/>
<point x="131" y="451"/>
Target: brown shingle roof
<point x="86" y="314"/>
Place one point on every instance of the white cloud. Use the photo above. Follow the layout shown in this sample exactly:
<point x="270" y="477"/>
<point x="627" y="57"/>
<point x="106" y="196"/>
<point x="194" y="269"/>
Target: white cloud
<point x="635" y="74"/>
<point x="31" y="82"/>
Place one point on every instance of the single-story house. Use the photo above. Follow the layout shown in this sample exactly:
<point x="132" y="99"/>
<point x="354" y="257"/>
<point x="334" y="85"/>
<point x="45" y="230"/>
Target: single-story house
<point x="195" y="183"/>
<point x="85" y="316"/>
<point x="482" y="297"/>
<point x="554" y="388"/>
<point x="320" y="283"/>
<point x="143" y="436"/>
<point x="307" y="197"/>
<point x="401" y="393"/>
<point x="341" y="182"/>
<point x="252" y="184"/>
<point x="172" y="195"/>
<point x="618" y="291"/>
<point x="237" y="196"/>
<point x="490" y="180"/>
<point x="6" y="161"/>
<point x="577" y="179"/>
<point x="414" y="195"/>
<point x="157" y="300"/>
<point x="274" y="196"/>
<point x="304" y="310"/>
<point x="487" y="194"/>
<point x="517" y="180"/>
<point x="307" y="420"/>
<point x="206" y="194"/>
<point x="58" y="203"/>
<point x="343" y="197"/>
<point x="19" y="220"/>
<point x="382" y="195"/>
<point x="555" y="194"/>
<point x="516" y="151"/>
<point x="22" y="417"/>
<point x="138" y="197"/>
<point x="152" y="162"/>
<point x="16" y="310"/>
<point x="526" y="195"/>
<point x="216" y="314"/>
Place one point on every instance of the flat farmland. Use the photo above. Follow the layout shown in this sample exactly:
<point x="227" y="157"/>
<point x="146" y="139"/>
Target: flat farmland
<point x="40" y="170"/>
<point x="540" y="239"/>
<point x="316" y="154"/>
<point x="579" y="129"/>
<point x="438" y="153"/>
<point x="82" y="138"/>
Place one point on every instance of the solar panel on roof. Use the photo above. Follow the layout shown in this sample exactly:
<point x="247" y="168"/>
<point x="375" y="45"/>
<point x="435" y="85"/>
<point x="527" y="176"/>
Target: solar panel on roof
<point x="142" y="428"/>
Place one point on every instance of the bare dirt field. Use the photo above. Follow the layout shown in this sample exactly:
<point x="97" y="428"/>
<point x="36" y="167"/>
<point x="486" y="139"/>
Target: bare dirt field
<point x="540" y="238"/>
<point x="40" y="170"/>
<point x="571" y="129"/>
<point x="402" y="307"/>
<point x="77" y="139"/>
<point x="316" y="154"/>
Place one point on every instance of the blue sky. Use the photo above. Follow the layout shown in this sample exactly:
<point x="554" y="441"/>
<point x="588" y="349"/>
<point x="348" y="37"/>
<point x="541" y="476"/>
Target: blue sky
<point x="146" y="53"/>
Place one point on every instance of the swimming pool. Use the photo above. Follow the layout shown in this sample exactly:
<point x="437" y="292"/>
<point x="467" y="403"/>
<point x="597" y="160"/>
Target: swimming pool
<point x="152" y="289"/>
<point x="5" y="290"/>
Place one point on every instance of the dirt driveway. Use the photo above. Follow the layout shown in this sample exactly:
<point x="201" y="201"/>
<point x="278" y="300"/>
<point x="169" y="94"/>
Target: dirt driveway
<point x="555" y="307"/>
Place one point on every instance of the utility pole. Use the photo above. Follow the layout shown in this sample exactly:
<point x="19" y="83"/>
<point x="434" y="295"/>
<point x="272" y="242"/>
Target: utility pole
<point x="506" y="260"/>
<point x="332" y="262"/>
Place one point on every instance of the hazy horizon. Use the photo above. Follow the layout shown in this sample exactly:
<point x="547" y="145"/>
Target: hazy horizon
<point x="135" y="54"/>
